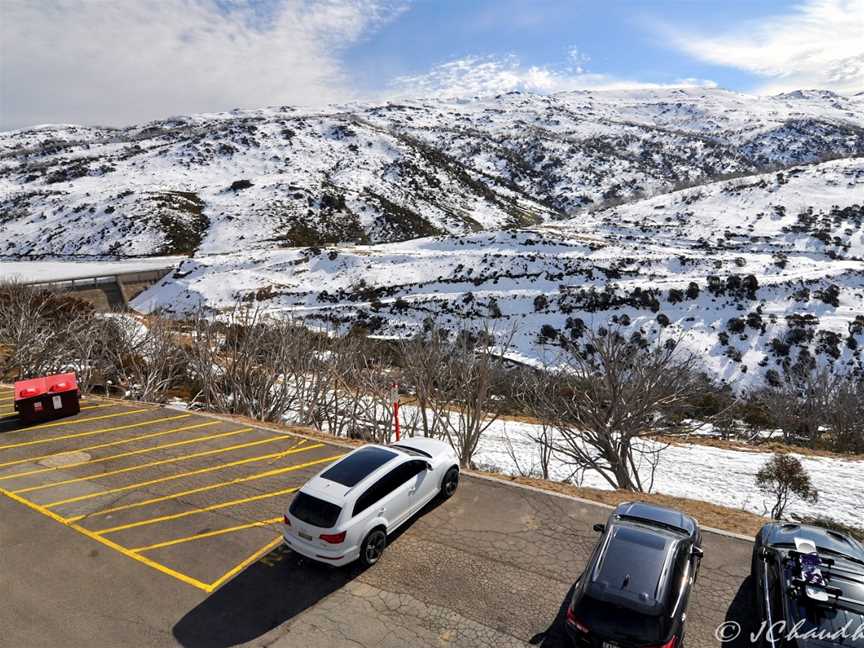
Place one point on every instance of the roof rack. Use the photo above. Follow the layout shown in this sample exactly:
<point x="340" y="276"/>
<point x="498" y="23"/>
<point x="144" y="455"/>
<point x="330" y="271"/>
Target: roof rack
<point x="808" y="581"/>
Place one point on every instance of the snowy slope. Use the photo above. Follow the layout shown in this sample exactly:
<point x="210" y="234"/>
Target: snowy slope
<point x="371" y="173"/>
<point x="719" y="475"/>
<point x="758" y="272"/>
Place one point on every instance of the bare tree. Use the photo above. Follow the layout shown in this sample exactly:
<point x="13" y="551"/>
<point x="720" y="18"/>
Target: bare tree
<point x="800" y="403"/>
<point x="531" y="394"/>
<point x="248" y="364"/>
<point x="845" y="415"/>
<point x="364" y="379"/>
<point x="40" y="331"/>
<point x="611" y="396"/>
<point x="473" y="391"/>
<point x="818" y="406"/>
<point x="423" y="359"/>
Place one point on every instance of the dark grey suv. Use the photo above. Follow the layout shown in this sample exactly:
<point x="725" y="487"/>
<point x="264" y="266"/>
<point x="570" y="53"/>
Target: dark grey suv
<point x="636" y="585"/>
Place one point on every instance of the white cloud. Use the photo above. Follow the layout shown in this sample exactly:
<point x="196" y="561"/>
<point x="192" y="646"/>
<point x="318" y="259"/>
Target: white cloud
<point x="123" y="61"/>
<point x="819" y="45"/>
<point x="479" y="76"/>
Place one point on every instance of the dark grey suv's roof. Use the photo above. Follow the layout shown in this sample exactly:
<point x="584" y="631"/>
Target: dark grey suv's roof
<point x="635" y="566"/>
<point x="660" y="514"/>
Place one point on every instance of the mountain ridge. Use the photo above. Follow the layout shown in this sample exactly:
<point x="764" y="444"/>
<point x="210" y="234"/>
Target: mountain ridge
<point x="384" y="172"/>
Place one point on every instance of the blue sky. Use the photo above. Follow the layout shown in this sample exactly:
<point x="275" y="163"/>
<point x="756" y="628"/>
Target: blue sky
<point x="618" y="38"/>
<point x="116" y="62"/>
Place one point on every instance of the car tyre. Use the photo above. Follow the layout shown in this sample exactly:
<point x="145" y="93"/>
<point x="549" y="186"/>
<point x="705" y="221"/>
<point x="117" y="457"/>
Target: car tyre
<point x="450" y="483"/>
<point x="372" y="547"/>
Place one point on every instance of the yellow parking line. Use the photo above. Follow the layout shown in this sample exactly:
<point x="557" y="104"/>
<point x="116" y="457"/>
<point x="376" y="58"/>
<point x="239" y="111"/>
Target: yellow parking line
<point x="190" y="473"/>
<point x="108" y="543"/>
<point x="78" y="435"/>
<point x="243" y="565"/>
<point x="209" y="534"/>
<point x="161" y="462"/>
<point x="201" y="489"/>
<point x="109" y="444"/>
<point x="205" y="509"/>
<point x="131" y="453"/>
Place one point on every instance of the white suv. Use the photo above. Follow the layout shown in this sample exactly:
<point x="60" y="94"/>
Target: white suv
<point x="346" y="511"/>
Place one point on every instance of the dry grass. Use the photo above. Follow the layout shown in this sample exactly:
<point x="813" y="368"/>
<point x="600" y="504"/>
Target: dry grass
<point x="762" y="447"/>
<point x="710" y="515"/>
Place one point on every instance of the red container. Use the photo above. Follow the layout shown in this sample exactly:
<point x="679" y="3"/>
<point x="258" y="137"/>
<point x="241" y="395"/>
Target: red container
<point x="50" y="397"/>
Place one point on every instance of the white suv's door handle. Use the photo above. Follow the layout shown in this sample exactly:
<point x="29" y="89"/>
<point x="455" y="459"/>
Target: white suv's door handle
<point x="381" y="510"/>
<point x="412" y="491"/>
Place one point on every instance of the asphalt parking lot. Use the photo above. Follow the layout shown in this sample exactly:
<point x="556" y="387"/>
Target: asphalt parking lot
<point x="143" y="525"/>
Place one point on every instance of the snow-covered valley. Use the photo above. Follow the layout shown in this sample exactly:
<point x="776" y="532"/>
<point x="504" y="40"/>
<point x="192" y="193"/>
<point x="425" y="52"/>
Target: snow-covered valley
<point x="734" y="219"/>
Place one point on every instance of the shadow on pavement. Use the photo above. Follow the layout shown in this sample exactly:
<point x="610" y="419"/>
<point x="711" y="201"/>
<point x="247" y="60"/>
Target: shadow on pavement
<point x="556" y="635"/>
<point x="270" y="592"/>
<point x="741" y="611"/>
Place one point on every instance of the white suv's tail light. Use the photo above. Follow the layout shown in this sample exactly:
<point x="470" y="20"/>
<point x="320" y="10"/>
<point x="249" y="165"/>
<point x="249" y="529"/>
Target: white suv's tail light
<point x="333" y="538"/>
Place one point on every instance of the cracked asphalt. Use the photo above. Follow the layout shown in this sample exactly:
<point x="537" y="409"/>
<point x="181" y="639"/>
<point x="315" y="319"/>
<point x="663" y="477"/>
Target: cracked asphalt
<point x="490" y="567"/>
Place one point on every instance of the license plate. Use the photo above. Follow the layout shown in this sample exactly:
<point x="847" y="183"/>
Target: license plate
<point x="305" y="536"/>
<point x="609" y="644"/>
<point x="58" y="402"/>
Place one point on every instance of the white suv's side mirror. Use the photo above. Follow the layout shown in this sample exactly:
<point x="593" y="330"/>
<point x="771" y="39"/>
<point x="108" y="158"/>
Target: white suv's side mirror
<point x="429" y="467"/>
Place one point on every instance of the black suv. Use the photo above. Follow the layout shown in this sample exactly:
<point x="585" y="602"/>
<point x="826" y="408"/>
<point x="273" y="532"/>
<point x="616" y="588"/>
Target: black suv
<point x="811" y="579"/>
<point x="635" y="587"/>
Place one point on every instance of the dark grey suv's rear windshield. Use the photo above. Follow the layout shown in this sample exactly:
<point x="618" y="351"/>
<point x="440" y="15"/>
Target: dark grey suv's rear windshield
<point x="354" y="468"/>
<point x="314" y="511"/>
<point x="617" y="622"/>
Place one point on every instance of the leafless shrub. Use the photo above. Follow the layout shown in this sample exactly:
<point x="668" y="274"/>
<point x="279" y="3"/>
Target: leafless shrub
<point x="423" y="359"/>
<point x="818" y="406"/>
<point x="44" y="333"/>
<point x="357" y="400"/>
<point x="145" y="358"/>
<point x="531" y="391"/>
<point x="460" y="383"/>
<point x="473" y="391"/>
<point x="253" y="366"/>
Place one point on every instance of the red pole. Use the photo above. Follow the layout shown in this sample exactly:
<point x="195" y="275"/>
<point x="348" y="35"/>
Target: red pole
<point x="396" y="417"/>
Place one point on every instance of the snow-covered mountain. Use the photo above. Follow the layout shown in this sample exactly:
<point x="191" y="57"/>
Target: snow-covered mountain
<point x="757" y="272"/>
<point x="735" y="220"/>
<point x="390" y="172"/>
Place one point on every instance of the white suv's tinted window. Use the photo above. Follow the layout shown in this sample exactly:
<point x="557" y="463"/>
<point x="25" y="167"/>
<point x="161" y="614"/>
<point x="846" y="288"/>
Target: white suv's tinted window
<point x="387" y="484"/>
<point x="314" y="511"/>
